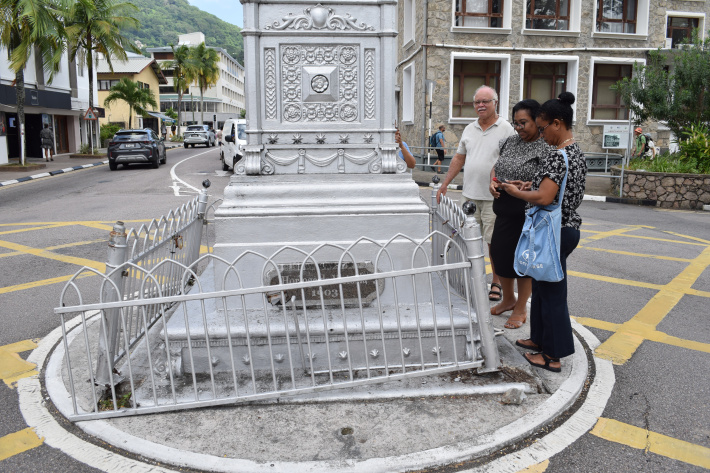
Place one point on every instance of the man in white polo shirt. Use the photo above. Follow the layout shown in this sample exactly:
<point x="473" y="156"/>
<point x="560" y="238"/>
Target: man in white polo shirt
<point x="479" y="148"/>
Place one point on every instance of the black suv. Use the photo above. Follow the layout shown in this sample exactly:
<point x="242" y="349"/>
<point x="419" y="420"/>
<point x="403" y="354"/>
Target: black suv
<point x="136" y="146"/>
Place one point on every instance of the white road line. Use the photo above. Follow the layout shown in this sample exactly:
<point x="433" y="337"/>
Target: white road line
<point x="173" y="174"/>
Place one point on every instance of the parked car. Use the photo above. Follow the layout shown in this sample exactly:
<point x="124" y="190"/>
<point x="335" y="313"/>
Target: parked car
<point x="234" y="136"/>
<point x="136" y="146"/>
<point x="199" y="135"/>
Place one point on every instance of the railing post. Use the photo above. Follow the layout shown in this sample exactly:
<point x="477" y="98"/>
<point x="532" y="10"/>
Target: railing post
<point x="474" y="252"/>
<point x="435" y="225"/>
<point x="110" y="318"/>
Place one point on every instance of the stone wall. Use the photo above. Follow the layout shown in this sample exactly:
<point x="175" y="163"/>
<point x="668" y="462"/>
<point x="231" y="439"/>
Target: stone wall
<point x="670" y="191"/>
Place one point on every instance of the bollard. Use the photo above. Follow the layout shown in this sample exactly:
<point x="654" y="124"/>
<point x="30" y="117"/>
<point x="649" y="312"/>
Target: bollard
<point x="435" y="225"/>
<point x="202" y="199"/>
<point x="108" y="341"/>
<point x="479" y="289"/>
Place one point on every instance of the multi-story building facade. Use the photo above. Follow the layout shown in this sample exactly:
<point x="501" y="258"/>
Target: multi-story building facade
<point x="61" y="104"/>
<point x="530" y="49"/>
<point x="223" y="100"/>
<point x="146" y="72"/>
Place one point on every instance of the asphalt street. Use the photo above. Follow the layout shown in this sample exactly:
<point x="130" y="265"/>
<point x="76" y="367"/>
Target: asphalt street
<point x="639" y="281"/>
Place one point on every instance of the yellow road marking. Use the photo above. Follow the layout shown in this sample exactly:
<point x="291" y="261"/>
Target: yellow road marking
<point x="56" y="247"/>
<point x="54" y="256"/>
<point x="625" y="282"/>
<point x="76" y="222"/>
<point x="12" y="367"/>
<point x="18" y="442"/>
<point x="30" y="229"/>
<point x="100" y="226"/>
<point x="600" y="235"/>
<point x="597" y="232"/>
<point x="596" y="323"/>
<point x="626" y="340"/>
<point x="539" y="468"/>
<point x="639" y="255"/>
<point x="707" y="242"/>
<point x="42" y="282"/>
<point x="642" y="439"/>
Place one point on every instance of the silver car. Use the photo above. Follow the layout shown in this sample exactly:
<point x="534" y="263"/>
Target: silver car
<point x="199" y="135"/>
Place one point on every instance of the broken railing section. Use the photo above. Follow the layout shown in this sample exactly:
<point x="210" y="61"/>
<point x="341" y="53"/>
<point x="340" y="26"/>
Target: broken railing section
<point x="265" y="326"/>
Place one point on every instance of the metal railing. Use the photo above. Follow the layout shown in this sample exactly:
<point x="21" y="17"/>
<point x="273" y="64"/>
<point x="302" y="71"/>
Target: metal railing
<point x="331" y="317"/>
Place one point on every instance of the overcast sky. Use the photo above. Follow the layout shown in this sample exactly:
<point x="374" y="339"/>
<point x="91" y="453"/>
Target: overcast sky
<point x="227" y="10"/>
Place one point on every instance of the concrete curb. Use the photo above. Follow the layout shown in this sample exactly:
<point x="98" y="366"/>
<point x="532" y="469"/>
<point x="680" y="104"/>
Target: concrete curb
<point x="50" y="350"/>
<point x="50" y="173"/>
<point x="42" y="175"/>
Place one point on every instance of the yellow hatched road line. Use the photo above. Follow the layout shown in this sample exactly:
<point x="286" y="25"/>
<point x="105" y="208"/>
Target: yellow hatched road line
<point x="638" y="255"/>
<point x="41" y="282"/>
<point x="707" y="242"/>
<point x="539" y="468"/>
<point x="599" y="235"/>
<point x="12" y="367"/>
<point x="53" y="256"/>
<point x="18" y="442"/>
<point x="642" y="439"/>
<point x="75" y="222"/>
<point x="56" y="247"/>
<point x="602" y="234"/>
<point x="30" y="229"/>
<point x="626" y="340"/>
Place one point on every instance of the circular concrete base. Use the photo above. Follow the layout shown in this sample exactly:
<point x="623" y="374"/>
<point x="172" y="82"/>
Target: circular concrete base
<point x="202" y="445"/>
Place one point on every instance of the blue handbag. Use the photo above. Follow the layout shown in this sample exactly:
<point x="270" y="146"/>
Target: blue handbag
<point x="538" y="252"/>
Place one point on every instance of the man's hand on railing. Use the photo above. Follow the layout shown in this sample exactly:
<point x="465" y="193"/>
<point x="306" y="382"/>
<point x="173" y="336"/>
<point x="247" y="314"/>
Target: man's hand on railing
<point x="439" y="193"/>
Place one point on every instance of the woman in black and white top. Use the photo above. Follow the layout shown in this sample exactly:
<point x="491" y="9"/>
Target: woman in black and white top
<point x="520" y="156"/>
<point x="550" y="326"/>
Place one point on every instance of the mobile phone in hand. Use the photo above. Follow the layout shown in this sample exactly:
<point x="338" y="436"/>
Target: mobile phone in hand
<point x="501" y="180"/>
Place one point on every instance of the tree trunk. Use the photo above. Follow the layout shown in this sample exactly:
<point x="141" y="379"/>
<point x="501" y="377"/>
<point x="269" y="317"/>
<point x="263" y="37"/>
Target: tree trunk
<point x="20" y="87"/>
<point x="202" y="106"/>
<point x="90" y="68"/>
<point x="179" y="110"/>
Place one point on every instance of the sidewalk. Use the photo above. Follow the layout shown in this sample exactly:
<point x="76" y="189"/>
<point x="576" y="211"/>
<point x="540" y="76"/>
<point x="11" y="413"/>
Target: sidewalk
<point x="428" y="422"/>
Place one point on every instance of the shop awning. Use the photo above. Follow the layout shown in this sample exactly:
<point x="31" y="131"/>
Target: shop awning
<point x="162" y="116"/>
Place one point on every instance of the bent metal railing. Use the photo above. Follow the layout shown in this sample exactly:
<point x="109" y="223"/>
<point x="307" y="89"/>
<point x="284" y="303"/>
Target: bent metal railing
<point x="293" y="322"/>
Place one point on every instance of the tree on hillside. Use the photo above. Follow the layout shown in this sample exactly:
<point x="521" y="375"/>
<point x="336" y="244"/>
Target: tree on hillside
<point x="678" y="95"/>
<point x="94" y="27"/>
<point x="136" y="97"/>
<point x="182" y="75"/>
<point x="204" y="66"/>
<point x="30" y="26"/>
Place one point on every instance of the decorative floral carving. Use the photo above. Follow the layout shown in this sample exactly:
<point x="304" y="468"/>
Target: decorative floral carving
<point x="319" y="18"/>
<point x="369" y="84"/>
<point x="291" y="55"/>
<point x="273" y="139"/>
<point x="348" y="113"/>
<point x="297" y="139"/>
<point x="348" y="55"/>
<point x="368" y="138"/>
<point x="344" y="138"/>
<point x="270" y="82"/>
<point x="320" y="138"/>
<point x="292" y="112"/>
<point x="319" y="83"/>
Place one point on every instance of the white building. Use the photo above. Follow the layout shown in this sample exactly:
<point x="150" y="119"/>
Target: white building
<point x="225" y="99"/>
<point x="61" y="104"/>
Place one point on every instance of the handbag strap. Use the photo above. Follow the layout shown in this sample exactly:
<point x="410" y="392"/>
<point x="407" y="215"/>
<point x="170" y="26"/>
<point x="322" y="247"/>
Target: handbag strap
<point x="563" y="186"/>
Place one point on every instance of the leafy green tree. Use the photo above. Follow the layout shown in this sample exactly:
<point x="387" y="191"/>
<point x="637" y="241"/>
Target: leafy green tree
<point x="30" y="26"/>
<point x="171" y="113"/>
<point x="679" y="94"/>
<point x="94" y="26"/>
<point x="204" y="68"/>
<point x="243" y="114"/>
<point x="182" y="75"/>
<point x="130" y="92"/>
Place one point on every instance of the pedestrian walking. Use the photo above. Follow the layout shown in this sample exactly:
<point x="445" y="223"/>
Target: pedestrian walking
<point x="440" y="148"/>
<point x="47" y="138"/>
<point x="163" y="130"/>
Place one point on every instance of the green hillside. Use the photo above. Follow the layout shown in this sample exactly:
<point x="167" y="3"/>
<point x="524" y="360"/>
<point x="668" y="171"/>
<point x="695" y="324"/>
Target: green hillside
<point x="161" y="21"/>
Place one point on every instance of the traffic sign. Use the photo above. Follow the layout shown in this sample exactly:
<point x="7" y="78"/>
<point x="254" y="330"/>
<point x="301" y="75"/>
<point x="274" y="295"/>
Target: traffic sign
<point x="90" y="114"/>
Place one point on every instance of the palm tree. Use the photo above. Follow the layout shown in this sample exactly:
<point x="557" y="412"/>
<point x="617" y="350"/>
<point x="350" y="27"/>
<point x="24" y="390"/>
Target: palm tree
<point x="94" y="26"/>
<point x="131" y="93"/>
<point x="27" y="26"/>
<point x="182" y="75"/>
<point x="204" y="64"/>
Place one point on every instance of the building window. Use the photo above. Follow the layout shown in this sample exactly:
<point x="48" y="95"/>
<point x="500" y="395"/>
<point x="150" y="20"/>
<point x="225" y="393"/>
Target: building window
<point x="606" y="102"/>
<point x="479" y="13"/>
<point x="408" y="93"/>
<point x="617" y="16"/>
<point x="548" y="15"/>
<point x="469" y="75"/>
<point x="543" y="81"/>
<point x="409" y="21"/>
<point x="107" y="84"/>
<point x="680" y="29"/>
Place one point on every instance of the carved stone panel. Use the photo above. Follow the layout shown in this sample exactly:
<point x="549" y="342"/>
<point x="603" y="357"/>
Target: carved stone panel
<point x="320" y="83"/>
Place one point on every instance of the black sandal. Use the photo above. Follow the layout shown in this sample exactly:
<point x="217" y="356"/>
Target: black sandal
<point x="530" y="346"/>
<point x="495" y="296"/>
<point x="547" y="359"/>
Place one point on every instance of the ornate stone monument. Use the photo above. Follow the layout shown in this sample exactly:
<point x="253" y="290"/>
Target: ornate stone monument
<point x="321" y="163"/>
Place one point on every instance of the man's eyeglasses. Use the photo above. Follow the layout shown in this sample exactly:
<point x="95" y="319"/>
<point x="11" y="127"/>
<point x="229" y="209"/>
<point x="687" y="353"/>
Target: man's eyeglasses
<point x="481" y="102"/>
<point x="518" y="125"/>
<point x="541" y="129"/>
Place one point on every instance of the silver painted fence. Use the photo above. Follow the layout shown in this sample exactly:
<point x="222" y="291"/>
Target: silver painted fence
<point x="331" y="317"/>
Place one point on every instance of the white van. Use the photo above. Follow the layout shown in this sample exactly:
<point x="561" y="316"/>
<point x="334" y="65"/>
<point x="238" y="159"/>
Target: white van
<point x="234" y="139"/>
